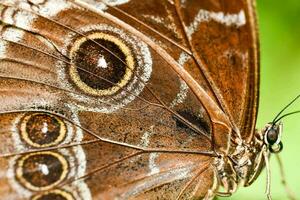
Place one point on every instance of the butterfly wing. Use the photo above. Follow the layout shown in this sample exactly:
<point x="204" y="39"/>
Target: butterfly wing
<point x="223" y="37"/>
<point x="132" y="142"/>
<point x="151" y="137"/>
<point x="218" y="40"/>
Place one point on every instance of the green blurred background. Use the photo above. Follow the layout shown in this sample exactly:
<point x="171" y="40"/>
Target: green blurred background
<point x="279" y="24"/>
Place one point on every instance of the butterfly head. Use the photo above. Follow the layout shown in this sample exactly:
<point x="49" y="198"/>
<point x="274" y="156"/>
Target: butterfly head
<point x="273" y="130"/>
<point x="272" y="137"/>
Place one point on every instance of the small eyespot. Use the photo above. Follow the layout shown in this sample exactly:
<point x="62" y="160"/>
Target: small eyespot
<point x="42" y="130"/>
<point x="102" y="64"/>
<point x="54" y="195"/>
<point x="41" y="171"/>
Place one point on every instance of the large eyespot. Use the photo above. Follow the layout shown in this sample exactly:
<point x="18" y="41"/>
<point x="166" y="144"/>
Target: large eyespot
<point x="102" y="64"/>
<point x="109" y="68"/>
<point x="42" y="130"/>
<point x="42" y="170"/>
<point x="54" y="195"/>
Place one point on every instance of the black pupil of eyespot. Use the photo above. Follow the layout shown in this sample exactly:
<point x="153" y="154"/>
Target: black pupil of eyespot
<point x="101" y="69"/>
<point x="272" y="136"/>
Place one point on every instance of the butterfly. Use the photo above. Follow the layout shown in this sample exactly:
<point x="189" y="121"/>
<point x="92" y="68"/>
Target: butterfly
<point x="128" y="99"/>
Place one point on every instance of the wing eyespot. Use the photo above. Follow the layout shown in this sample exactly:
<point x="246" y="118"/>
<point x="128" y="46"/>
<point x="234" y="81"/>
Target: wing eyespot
<point x="43" y="163"/>
<point x="41" y="171"/>
<point x="107" y="67"/>
<point x="42" y="130"/>
<point x="106" y="64"/>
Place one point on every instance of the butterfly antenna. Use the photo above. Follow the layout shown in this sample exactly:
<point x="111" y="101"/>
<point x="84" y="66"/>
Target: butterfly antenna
<point x="285" y="115"/>
<point x="289" y="192"/>
<point x="275" y="119"/>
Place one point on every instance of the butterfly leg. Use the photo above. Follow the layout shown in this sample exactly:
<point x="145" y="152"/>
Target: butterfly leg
<point x="268" y="185"/>
<point x="227" y="177"/>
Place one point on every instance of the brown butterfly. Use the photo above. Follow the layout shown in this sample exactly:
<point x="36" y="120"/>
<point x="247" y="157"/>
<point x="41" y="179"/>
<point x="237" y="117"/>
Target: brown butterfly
<point x="129" y="99"/>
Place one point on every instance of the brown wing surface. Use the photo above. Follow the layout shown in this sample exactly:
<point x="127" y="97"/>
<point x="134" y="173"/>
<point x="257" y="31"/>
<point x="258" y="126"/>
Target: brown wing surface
<point x="122" y="99"/>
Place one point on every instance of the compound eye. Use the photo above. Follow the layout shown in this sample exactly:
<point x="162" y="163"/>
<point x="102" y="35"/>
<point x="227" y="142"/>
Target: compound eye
<point x="272" y="136"/>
